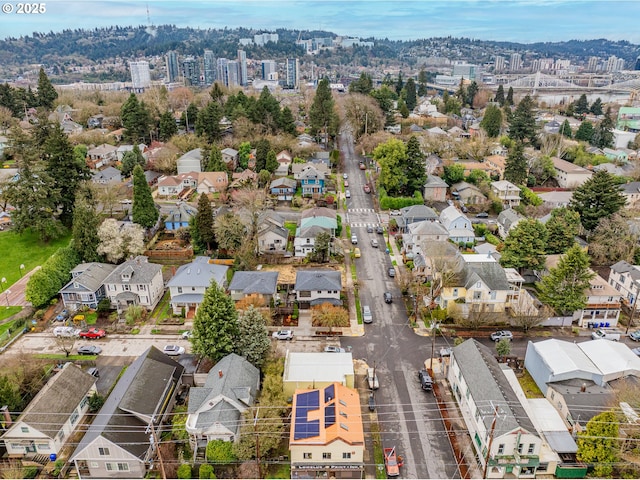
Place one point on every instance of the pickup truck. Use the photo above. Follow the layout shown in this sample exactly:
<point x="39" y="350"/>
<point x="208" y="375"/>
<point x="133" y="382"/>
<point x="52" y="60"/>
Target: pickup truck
<point x="613" y="335"/>
<point x="372" y="379"/>
<point x="392" y="463"/>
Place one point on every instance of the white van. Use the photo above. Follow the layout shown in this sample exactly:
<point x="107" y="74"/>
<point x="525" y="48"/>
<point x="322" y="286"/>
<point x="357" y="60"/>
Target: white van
<point x="65" y="332"/>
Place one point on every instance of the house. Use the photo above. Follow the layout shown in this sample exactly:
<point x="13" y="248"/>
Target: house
<point x="468" y="193"/>
<point x="189" y="283"/>
<point x="420" y="233"/>
<point x="321" y="158"/>
<point x="603" y="301"/>
<point x="179" y="216"/>
<point x="327" y="434"/>
<point x="319" y="216"/>
<point x="625" y="278"/>
<point x="317" y="369"/>
<point x="261" y="286"/>
<point x="119" y="443"/>
<point x="433" y="164"/>
<point x="457" y="224"/>
<point x="305" y="239"/>
<point x="312" y="182"/>
<point x="569" y="175"/>
<point x="284" y="159"/>
<point x="122" y="149"/>
<point x="618" y="156"/>
<point x="435" y="189"/>
<point x="272" y="236"/>
<point x="551" y="127"/>
<point x="190" y="162"/>
<point x="298" y="168"/>
<point x="177" y="185"/>
<point x="498" y="423"/>
<point x="152" y="177"/>
<point x="245" y="178"/>
<point x="53" y="415"/>
<point x="212" y="182"/>
<point x="631" y="192"/>
<point x="107" y="176"/>
<point x="230" y="158"/>
<point x="283" y="188"/>
<point x="215" y="409"/>
<point x="480" y="287"/>
<point x="135" y="282"/>
<point x="507" y="193"/>
<point x="507" y="219"/>
<point x="497" y="164"/>
<point x="555" y="199"/>
<point x="86" y="287"/>
<point x="482" y="166"/>
<point x="413" y="214"/>
<point x="101" y="156"/>
<point x="315" y="287"/>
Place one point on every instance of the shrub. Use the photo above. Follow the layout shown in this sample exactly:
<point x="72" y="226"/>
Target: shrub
<point x="104" y="306"/>
<point x="184" y="471"/>
<point x="206" y="471"/>
<point x="296" y="311"/>
<point x="219" y="451"/>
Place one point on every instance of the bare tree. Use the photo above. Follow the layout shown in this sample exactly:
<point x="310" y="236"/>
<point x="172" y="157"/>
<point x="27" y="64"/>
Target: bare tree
<point x="251" y="202"/>
<point x="530" y="318"/>
<point x="65" y="344"/>
<point x="363" y="113"/>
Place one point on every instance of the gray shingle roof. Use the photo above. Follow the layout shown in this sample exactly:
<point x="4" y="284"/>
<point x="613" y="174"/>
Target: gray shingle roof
<point x="491" y="273"/>
<point x="318" y="280"/>
<point x="91" y="279"/>
<point x="508" y="217"/>
<point x="141" y="271"/>
<point x="199" y="273"/>
<point x="488" y="385"/>
<point x="254" y="282"/>
<point x="626" y="267"/>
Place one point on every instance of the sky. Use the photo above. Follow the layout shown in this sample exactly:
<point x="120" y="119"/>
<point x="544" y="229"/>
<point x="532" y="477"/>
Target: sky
<point x="524" y="21"/>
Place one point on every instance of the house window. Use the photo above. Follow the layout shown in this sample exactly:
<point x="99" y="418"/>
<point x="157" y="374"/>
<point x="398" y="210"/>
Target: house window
<point x="455" y="292"/>
<point x="308" y="240"/>
<point x="24" y="429"/>
<point x="306" y="455"/>
<point x="501" y="449"/>
<point x="94" y="464"/>
<point x="520" y="447"/>
<point x="326" y="455"/>
<point x="179" y="289"/>
<point x="531" y="448"/>
<point x="123" y="467"/>
<point x="126" y="287"/>
<point x="43" y="446"/>
<point x="84" y="402"/>
<point x="493" y="295"/>
<point x="103" y="451"/>
<point x="319" y="292"/>
<point x="477" y="295"/>
<point x="74" y="417"/>
<point x="346" y="455"/>
<point x="478" y="285"/>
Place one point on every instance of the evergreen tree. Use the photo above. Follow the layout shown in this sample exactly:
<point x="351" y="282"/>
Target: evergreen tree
<point x="584" y="132"/>
<point x="85" y="227"/>
<point x="492" y="121"/>
<point x="472" y="91"/>
<point x="515" y="169"/>
<point x="399" y="84"/>
<point x="509" y="100"/>
<point x="612" y="241"/>
<point x="524" y="247"/>
<point x="208" y="122"/>
<point x="217" y="94"/>
<point x="565" y="129"/>
<point x="596" y="107"/>
<point x="563" y="288"/>
<point x="415" y="167"/>
<point x="522" y="124"/>
<point x="287" y="122"/>
<point x="321" y="113"/>
<point x="204" y="220"/>
<point x="267" y="111"/>
<point x="262" y="151"/>
<point x="143" y="211"/>
<point x="66" y="170"/>
<point x="244" y="150"/>
<point x="215" y="163"/>
<point x="271" y="164"/>
<point x="215" y="325"/>
<point x="135" y="119"/>
<point x="603" y="133"/>
<point x="403" y="109"/>
<point x="500" y="95"/>
<point x="189" y="117"/>
<point x="168" y="127"/>
<point x="253" y="339"/>
<point x="423" y="79"/>
<point x="131" y="159"/>
<point x="598" y="197"/>
<point x="461" y="93"/>
<point x="363" y="85"/>
<point x="46" y="93"/>
<point x="581" y="106"/>
<point x="410" y="98"/>
<point x="562" y="228"/>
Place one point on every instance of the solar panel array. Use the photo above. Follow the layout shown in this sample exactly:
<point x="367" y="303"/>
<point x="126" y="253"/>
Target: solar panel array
<point x="329" y="415"/>
<point x="305" y="403"/>
<point x="329" y="393"/>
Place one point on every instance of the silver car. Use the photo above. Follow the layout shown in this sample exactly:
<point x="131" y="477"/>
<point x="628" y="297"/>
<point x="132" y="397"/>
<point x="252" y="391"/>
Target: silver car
<point x="367" y="317"/>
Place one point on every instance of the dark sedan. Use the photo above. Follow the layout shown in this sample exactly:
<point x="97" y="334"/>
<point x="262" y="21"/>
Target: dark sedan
<point x="89" y="350"/>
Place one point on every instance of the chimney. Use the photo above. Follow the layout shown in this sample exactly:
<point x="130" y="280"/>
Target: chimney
<point x="583" y="388"/>
<point x="220" y="373"/>
<point x="7" y="416"/>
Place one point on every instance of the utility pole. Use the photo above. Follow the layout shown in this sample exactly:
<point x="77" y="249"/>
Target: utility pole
<point x="434" y="328"/>
<point x="633" y="312"/>
<point x="157" y="444"/>
<point x="493" y="427"/>
<point x="255" y="432"/>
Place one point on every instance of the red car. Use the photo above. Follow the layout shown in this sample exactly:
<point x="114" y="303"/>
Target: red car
<point x="92" y="333"/>
<point x="367" y="188"/>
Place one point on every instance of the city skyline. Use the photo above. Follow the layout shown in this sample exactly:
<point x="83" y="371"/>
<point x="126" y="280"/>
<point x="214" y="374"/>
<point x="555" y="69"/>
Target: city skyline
<point x="522" y="21"/>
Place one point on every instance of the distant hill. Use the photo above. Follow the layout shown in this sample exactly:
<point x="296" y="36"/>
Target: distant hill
<point x="82" y="47"/>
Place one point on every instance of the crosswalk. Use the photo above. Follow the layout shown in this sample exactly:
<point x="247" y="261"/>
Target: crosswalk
<point x="363" y="224"/>
<point x="361" y="210"/>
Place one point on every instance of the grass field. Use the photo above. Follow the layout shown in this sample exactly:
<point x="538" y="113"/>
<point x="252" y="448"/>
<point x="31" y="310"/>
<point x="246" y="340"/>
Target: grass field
<point x="25" y="250"/>
<point x="6" y="312"/>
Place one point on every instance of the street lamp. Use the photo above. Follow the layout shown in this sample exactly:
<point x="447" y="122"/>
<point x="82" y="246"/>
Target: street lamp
<point x="7" y="292"/>
<point x="21" y="269"/>
<point x="434" y="328"/>
<point x="4" y="281"/>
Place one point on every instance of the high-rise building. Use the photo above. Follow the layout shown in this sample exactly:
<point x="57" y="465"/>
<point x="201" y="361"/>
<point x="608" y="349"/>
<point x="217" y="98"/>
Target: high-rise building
<point x="464" y="70"/>
<point x="499" y="64"/>
<point x="614" y="64"/>
<point x="233" y="73"/>
<point x="269" y="68"/>
<point x="191" y="71"/>
<point x="592" y="66"/>
<point x="242" y="68"/>
<point x="173" y="72"/>
<point x="515" y="62"/>
<point x="140" y="75"/>
<point x="223" y="72"/>
<point x="292" y="73"/>
<point x="261" y="39"/>
<point x="619" y="65"/>
<point x="209" y="64"/>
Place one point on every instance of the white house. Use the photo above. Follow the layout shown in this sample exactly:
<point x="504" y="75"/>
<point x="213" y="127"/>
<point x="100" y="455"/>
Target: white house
<point x="172" y="185"/>
<point x="190" y="161"/>
<point x="315" y="287"/>
<point x="457" y="224"/>
<point x="569" y="175"/>
<point x="507" y="193"/>
<point x="625" y="278"/>
<point x="135" y="282"/>
<point x="212" y="182"/>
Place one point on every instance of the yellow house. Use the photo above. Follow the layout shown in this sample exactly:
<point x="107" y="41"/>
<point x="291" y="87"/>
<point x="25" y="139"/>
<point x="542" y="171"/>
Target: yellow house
<point x="316" y="370"/>
<point x="327" y="436"/>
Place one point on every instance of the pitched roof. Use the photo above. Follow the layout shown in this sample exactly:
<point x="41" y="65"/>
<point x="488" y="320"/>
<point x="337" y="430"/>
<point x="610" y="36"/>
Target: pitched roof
<point x="318" y="280"/>
<point x="230" y="151"/>
<point x="141" y="271"/>
<point x="489" y="272"/>
<point x="418" y="211"/>
<point x="214" y="179"/>
<point x="435" y="182"/>
<point x="450" y="214"/>
<point x="91" y="279"/>
<point x="57" y="400"/>
<point x="255" y="282"/>
<point x="318" y="212"/>
<point x="283" y="182"/>
<point x="182" y="213"/>
<point x="626" y="267"/>
<point x="508" y="217"/>
<point x="489" y="386"/>
<point x="568" y="167"/>
<point x="199" y="273"/>
<point x="427" y="227"/>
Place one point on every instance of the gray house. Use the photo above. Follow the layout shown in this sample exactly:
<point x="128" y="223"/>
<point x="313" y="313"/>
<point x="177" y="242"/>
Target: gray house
<point x="315" y="287"/>
<point x="414" y="214"/>
<point x="190" y="161"/>
<point x="86" y="287"/>
<point x="107" y="176"/>
<point x="188" y="285"/>
<point x="215" y="409"/>
<point x="260" y="285"/>
<point x="507" y="219"/>
<point x="118" y="444"/>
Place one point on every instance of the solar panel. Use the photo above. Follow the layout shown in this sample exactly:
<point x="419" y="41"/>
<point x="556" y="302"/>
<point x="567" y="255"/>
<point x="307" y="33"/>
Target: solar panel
<point x="329" y="415"/>
<point x="304" y="428"/>
<point x="314" y="399"/>
<point x="329" y="393"/>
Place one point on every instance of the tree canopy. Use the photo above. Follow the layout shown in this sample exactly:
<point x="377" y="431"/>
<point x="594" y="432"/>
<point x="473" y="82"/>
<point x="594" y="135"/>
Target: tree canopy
<point x="562" y="228"/>
<point x="598" y="197"/>
<point x="525" y="245"/>
<point x="522" y="125"/>
<point x="144" y="211"/>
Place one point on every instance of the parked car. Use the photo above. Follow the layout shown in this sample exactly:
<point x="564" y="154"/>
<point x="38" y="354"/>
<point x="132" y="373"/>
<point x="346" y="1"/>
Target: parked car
<point x="89" y="350"/>
<point x="187" y="334"/>
<point x="367" y="188"/>
<point x="426" y="382"/>
<point x="65" y="332"/>
<point x="347" y="194"/>
<point x="173" y="350"/>
<point x="636" y="351"/>
<point x="367" y="317"/>
<point x="354" y="239"/>
<point x="369" y="228"/>
<point x="500" y="334"/>
<point x="93" y="371"/>
<point x="388" y="298"/>
<point x="446" y="351"/>
<point x="283" y="335"/>
<point x="362" y="166"/>
<point x="357" y="253"/>
<point x="396" y="213"/>
<point x="345" y="176"/>
<point x="603" y="333"/>
<point x="482" y="215"/>
<point x="372" y="403"/>
<point x="62" y="316"/>
<point x="92" y="333"/>
<point x="332" y="349"/>
<point x="391" y="463"/>
<point x="392" y="272"/>
<point x="346" y="183"/>
<point x="379" y="229"/>
<point x="374" y="243"/>
<point x="635" y="336"/>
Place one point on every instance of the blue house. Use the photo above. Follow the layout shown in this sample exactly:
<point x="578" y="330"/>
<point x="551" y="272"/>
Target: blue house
<point x="283" y="188"/>
<point x="180" y="216"/>
<point x="312" y="182"/>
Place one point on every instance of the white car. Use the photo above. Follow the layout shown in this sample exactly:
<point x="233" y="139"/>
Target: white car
<point x="173" y="350"/>
<point x="347" y="193"/>
<point x="332" y="349"/>
<point x="66" y="332"/>
<point x="187" y="334"/>
<point x="283" y="335"/>
<point x="354" y="239"/>
<point x="367" y="317"/>
<point x="396" y="213"/>
<point x="345" y="176"/>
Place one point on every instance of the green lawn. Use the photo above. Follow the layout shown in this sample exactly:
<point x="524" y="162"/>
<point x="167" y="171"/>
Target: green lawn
<point x="25" y="250"/>
<point x="6" y="312"/>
